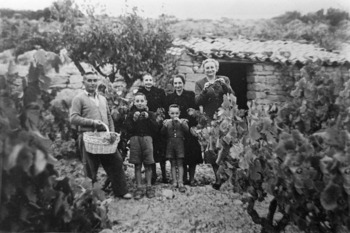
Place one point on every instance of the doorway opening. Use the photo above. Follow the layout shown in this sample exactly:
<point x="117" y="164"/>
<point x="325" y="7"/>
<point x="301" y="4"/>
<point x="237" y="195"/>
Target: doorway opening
<point x="237" y="73"/>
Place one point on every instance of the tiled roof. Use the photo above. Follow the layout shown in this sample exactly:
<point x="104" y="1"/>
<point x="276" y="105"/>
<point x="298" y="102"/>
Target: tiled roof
<point x="256" y="51"/>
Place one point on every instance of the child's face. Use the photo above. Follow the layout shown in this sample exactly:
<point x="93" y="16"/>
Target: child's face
<point x="148" y="81"/>
<point x="140" y="102"/>
<point x="174" y="113"/>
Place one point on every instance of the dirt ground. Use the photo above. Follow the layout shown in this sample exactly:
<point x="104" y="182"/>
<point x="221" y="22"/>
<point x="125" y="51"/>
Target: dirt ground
<point x="200" y="209"/>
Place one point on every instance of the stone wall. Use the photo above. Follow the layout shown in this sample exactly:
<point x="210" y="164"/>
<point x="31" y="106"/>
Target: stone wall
<point x="266" y="81"/>
<point x="190" y="69"/>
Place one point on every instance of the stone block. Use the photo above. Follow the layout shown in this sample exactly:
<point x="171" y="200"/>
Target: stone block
<point x="186" y="57"/>
<point x="269" y="67"/>
<point x="250" y="78"/>
<point x="190" y="86"/>
<point x="258" y="67"/>
<point x="263" y="73"/>
<point x="185" y="70"/>
<point x="257" y="87"/>
<point x="272" y="80"/>
<point x="185" y="63"/>
<point x="259" y="79"/>
<point x="251" y="95"/>
<point x="276" y="98"/>
<point x="194" y="77"/>
<point x="278" y="92"/>
<point x="264" y="102"/>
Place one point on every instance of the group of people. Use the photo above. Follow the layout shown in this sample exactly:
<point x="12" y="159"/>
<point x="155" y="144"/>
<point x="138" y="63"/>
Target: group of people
<point x="157" y="127"/>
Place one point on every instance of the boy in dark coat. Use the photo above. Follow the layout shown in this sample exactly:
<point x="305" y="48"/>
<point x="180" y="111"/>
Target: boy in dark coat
<point x="156" y="102"/>
<point x="140" y="126"/>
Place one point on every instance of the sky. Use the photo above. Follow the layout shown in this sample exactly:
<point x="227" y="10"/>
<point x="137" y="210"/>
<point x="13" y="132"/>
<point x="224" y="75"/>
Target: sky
<point x="196" y="9"/>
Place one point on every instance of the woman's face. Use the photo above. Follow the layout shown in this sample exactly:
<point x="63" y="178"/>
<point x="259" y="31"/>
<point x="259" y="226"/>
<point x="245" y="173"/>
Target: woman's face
<point x="119" y="87"/>
<point x="148" y="81"/>
<point x="178" y="84"/>
<point x="210" y="69"/>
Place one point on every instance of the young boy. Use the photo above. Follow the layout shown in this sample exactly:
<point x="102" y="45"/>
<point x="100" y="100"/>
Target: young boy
<point x="175" y="130"/>
<point x="140" y="125"/>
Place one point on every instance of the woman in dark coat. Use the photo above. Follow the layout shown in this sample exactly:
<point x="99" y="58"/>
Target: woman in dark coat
<point x="155" y="103"/>
<point x="186" y="99"/>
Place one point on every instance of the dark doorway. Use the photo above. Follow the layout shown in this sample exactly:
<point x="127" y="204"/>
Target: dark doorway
<point x="237" y="72"/>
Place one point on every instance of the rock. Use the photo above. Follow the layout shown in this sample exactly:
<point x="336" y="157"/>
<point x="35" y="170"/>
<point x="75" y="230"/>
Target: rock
<point x="106" y="231"/>
<point x="237" y="202"/>
<point x="169" y="194"/>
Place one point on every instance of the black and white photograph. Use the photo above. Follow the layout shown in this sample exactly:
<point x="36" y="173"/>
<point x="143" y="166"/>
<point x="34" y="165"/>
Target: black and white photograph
<point x="175" y="116"/>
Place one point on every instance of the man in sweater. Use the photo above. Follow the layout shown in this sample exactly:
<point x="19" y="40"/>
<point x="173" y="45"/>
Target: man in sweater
<point x="89" y="111"/>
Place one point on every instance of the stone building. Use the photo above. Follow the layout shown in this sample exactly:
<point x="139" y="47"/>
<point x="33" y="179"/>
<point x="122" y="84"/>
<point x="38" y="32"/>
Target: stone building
<point x="258" y="70"/>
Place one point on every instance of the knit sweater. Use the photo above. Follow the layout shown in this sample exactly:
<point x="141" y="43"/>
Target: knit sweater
<point x="84" y="111"/>
<point x="211" y="100"/>
<point x="142" y="126"/>
<point x="175" y="129"/>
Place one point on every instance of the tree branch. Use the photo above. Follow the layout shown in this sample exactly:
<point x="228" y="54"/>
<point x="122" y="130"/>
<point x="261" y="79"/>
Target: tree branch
<point x="80" y="68"/>
<point x="272" y="210"/>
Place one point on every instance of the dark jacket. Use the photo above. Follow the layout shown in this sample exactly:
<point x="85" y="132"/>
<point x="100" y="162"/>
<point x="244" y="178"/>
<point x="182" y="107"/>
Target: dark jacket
<point x="142" y="126"/>
<point x="212" y="98"/>
<point x="155" y="98"/>
<point x="186" y="100"/>
<point x="175" y="129"/>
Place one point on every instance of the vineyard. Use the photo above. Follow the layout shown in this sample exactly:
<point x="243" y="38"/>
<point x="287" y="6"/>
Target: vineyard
<point x="291" y="159"/>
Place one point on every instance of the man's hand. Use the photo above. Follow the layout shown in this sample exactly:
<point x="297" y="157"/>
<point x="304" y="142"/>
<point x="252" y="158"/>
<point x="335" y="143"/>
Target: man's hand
<point x="98" y="122"/>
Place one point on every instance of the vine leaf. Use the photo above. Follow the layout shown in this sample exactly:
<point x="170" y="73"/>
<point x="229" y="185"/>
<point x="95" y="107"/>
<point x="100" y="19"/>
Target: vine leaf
<point x="12" y="159"/>
<point x="330" y="196"/>
<point x="40" y="162"/>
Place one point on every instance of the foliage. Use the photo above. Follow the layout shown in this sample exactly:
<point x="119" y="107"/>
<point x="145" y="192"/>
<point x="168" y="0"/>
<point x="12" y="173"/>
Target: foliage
<point x="26" y="14"/>
<point x="33" y="197"/>
<point x="129" y="45"/>
<point x="297" y="153"/>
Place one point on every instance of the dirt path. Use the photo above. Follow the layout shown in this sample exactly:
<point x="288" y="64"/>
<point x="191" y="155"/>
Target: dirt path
<point x="200" y="209"/>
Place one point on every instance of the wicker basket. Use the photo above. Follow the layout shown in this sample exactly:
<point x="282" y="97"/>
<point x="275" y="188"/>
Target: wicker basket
<point x="97" y="142"/>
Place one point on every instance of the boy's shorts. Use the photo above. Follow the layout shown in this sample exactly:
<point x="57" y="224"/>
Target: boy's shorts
<point x="175" y="148"/>
<point x="141" y="150"/>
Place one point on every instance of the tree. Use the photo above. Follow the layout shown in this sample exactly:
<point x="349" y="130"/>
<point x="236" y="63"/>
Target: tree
<point x="129" y="45"/>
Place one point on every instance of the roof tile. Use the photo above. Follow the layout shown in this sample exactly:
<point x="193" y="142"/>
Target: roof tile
<point x="273" y="50"/>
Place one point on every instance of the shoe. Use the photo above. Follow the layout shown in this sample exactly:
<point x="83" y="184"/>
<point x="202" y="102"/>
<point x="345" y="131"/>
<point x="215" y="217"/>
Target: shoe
<point x="153" y="180"/>
<point x="182" y="189"/>
<point x="165" y="181"/>
<point x="193" y="183"/>
<point x="150" y="193"/>
<point x="216" y="186"/>
<point x="138" y="194"/>
<point x="174" y="185"/>
<point x="127" y="196"/>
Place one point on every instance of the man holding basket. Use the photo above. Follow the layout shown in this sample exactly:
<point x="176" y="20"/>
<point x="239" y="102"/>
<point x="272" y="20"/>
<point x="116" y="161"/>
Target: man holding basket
<point x="90" y="113"/>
